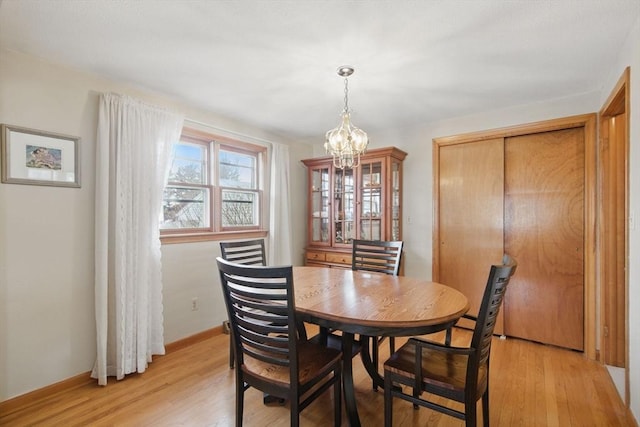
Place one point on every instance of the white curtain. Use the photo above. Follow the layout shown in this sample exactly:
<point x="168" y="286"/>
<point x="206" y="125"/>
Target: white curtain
<point x="133" y="146"/>
<point x="280" y="236"/>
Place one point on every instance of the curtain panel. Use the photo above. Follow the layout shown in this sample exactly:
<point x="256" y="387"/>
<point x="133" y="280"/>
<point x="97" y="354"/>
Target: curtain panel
<point x="280" y="236"/>
<point x="133" y="147"/>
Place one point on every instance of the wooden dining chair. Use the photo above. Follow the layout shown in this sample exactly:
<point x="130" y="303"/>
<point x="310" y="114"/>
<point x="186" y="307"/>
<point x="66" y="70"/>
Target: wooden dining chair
<point x="272" y="351"/>
<point x="456" y="373"/>
<point x="247" y="252"/>
<point x="381" y="257"/>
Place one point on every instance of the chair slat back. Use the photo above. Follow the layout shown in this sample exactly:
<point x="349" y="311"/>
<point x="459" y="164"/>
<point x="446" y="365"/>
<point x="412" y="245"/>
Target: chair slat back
<point x="377" y="255"/>
<point x="497" y="283"/>
<point x="248" y="252"/>
<point x="261" y="309"/>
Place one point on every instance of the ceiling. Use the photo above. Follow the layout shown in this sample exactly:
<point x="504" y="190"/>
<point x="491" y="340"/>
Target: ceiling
<point x="273" y="63"/>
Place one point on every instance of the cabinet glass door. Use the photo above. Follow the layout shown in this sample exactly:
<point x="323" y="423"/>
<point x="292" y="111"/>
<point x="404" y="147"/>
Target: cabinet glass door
<point x="320" y="205"/>
<point x="396" y="211"/>
<point x="343" y="206"/>
<point x="371" y="203"/>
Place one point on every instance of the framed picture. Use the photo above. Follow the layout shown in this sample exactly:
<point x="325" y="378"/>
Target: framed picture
<point x="36" y="157"/>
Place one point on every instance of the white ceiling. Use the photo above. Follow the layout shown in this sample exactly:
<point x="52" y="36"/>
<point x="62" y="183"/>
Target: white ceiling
<point x="273" y="63"/>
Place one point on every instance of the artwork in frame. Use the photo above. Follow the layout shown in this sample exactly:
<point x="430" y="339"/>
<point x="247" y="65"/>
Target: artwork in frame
<point x="36" y="157"/>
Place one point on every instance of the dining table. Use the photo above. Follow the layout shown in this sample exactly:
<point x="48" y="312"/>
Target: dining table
<point x="372" y="305"/>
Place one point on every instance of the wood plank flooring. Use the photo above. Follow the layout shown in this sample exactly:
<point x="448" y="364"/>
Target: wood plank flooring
<point x="531" y="385"/>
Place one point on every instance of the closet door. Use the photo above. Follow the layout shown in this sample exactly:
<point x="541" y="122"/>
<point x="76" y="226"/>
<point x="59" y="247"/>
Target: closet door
<point x="544" y="231"/>
<point x="470" y="221"/>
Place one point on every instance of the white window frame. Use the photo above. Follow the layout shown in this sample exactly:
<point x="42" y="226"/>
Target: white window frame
<point x="216" y="231"/>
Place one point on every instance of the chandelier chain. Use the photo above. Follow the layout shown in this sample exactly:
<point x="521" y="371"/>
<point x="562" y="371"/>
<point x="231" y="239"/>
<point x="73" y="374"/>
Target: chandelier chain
<point x="346" y="95"/>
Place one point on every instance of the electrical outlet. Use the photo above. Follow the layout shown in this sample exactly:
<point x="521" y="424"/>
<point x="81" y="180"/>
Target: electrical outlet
<point x="194" y="304"/>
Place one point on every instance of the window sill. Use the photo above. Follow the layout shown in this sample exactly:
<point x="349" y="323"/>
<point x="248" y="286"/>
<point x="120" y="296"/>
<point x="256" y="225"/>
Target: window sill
<point x="169" y="239"/>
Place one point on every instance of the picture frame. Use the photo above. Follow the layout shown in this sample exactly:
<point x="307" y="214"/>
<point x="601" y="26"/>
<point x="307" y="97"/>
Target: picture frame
<point x="36" y="157"/>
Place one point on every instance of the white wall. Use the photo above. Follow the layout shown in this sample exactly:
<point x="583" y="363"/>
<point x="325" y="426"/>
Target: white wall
<point x="47" y="326"/>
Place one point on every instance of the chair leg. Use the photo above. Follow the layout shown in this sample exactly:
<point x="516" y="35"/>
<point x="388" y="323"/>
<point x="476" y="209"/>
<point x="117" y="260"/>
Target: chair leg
<point x="470" y="414"/>
<point x="485" y="408"/>
<point x="232" y="356"/>
<point x="392" y="345"/>
<point x="337" y="398"/>
<point x="323" y="333"/>
<point x="447" y="337"/>
<point x="388" y="401"/>
<point x="239" y="400"/>
<point x="295" y="411"/>
<point x="375" y="343"/>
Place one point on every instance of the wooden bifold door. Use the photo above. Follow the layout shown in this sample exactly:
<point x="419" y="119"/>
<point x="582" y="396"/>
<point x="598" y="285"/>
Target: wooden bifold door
<point x="522" y="193"/>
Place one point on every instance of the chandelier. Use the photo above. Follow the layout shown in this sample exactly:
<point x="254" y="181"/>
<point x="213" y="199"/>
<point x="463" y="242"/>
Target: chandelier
<point x="346" y="142"/>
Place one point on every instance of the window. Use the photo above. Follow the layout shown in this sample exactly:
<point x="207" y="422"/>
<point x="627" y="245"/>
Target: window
<point x="238" y="183"/>
<point x="214" y="186"/>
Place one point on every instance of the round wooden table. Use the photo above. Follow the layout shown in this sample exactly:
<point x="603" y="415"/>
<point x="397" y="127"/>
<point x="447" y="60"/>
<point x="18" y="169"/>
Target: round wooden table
<point x="372" y="304"/>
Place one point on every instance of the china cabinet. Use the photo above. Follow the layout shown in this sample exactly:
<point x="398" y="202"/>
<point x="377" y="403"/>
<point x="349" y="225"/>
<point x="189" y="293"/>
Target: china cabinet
<point x="345" y="204"/>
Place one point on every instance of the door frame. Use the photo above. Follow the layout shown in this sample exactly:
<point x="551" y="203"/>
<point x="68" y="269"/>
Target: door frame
<point x="619" y="100"/>
<point x="589" y="123"/>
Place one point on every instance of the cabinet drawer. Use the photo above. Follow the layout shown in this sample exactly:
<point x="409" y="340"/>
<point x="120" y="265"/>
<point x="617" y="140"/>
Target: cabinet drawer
<point x="315" y="256"/>
<point x="339" y="258"/>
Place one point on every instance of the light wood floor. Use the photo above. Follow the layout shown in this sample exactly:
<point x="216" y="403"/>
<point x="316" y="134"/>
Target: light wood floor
<point x="531" y="385"/>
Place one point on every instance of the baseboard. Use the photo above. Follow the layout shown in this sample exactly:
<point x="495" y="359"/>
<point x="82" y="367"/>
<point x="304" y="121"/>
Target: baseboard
<point x="193" y="339"/>
<point x="631" y="418"/>
<point x="26" y="399"/>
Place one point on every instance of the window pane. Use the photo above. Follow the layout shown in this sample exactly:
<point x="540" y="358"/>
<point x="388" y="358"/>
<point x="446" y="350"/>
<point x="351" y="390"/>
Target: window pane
<point x="189" y="163"/>
<point x="237" y="170"/>
<point x="184" y="207"/>
<point x="239" y="208"/>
